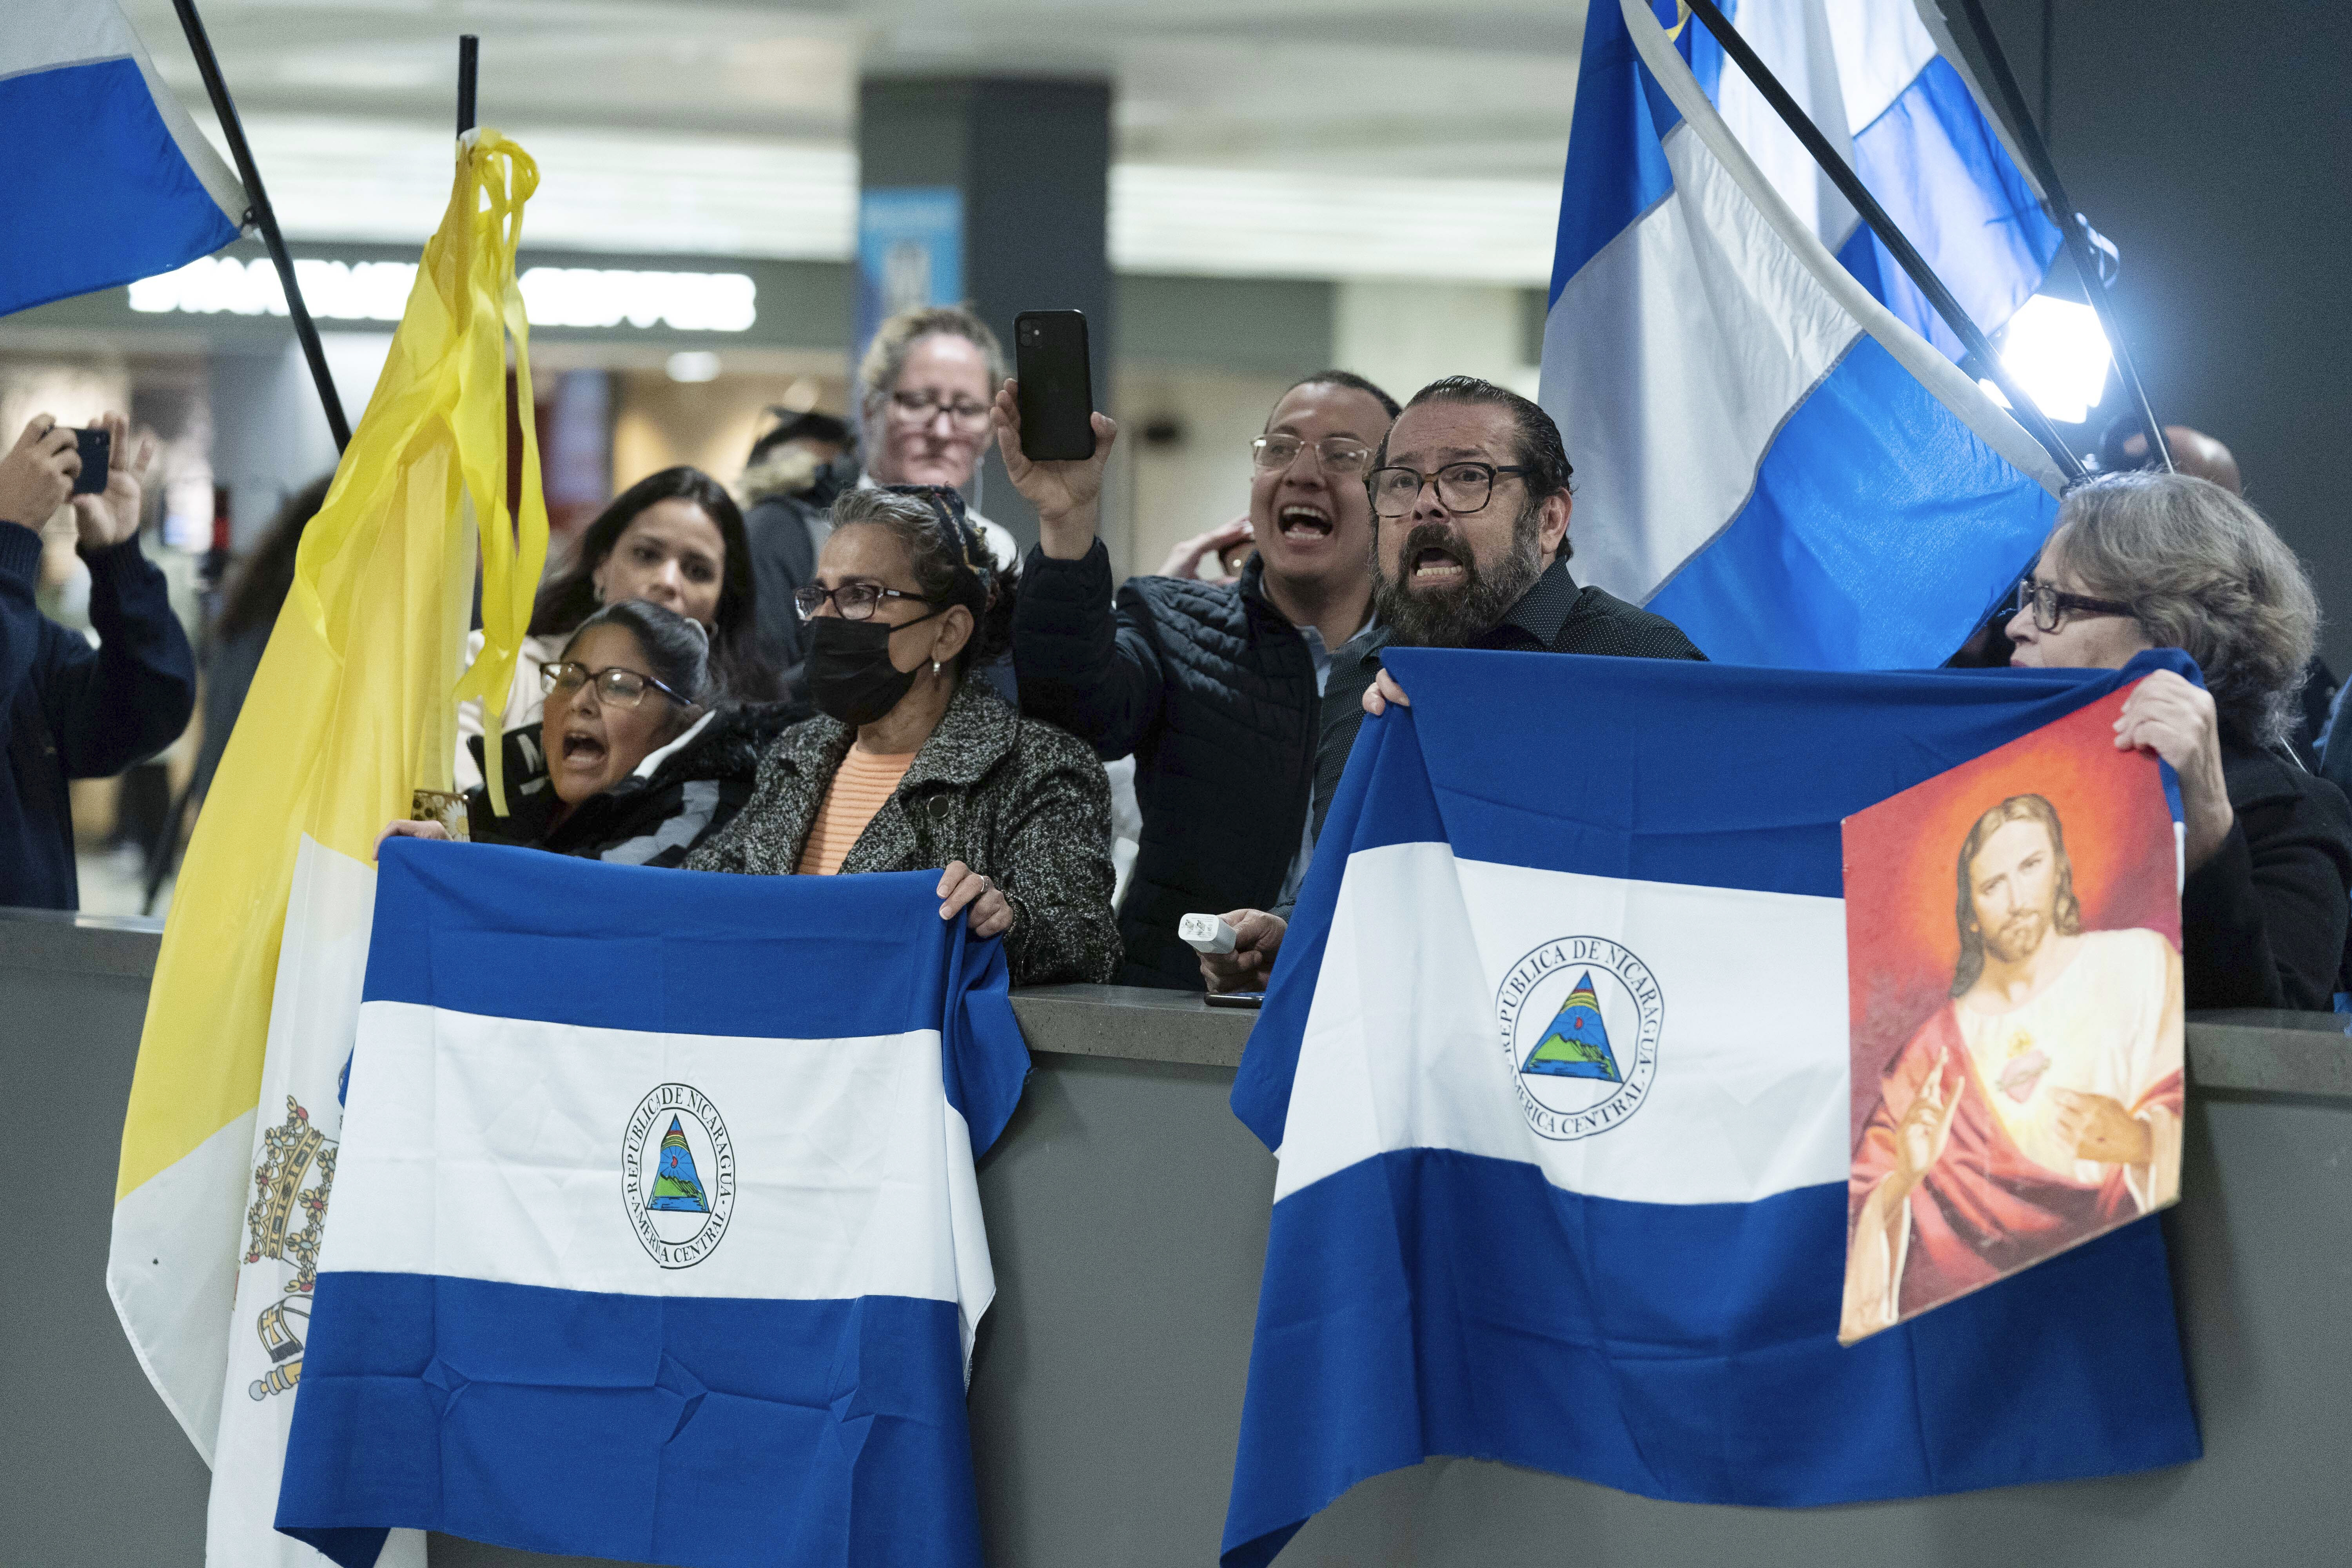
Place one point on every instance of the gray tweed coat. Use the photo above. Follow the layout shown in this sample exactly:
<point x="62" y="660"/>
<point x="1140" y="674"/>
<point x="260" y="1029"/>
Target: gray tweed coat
<point x="1018" y="801"/>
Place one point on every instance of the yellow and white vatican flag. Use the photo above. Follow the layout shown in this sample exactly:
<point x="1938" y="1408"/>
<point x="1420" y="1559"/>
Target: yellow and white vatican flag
<point x="228" y="1147"/>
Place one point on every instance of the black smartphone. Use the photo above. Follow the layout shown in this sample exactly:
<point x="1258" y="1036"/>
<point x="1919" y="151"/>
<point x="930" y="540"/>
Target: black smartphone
<point x="1058" y="390"/>
<point x="94" y="446"/>
<point x="1235" y="998"/>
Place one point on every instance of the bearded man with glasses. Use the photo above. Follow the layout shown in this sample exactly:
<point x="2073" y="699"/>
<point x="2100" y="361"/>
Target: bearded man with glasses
<point x="1470" y="502"/>
<point x="1238" y="700"/>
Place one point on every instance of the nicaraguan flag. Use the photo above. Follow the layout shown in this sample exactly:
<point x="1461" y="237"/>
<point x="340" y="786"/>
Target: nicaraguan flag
<point x="1768" y="451"/>
<point x="1645" y="1293"/>
<point x="656" y="1236"/>
<point x="109" y="180"/>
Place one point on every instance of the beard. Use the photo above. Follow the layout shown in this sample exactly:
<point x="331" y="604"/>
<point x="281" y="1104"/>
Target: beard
<point x="2020" y="936"/>
<point x="1451" y="615"/>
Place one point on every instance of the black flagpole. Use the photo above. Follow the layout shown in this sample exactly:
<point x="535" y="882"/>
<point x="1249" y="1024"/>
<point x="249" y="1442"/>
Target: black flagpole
<point x="1850" y="185"/>
<point x="469" y="64"/>
<point x="264" y="217"/>
<point x="2061" y="211"/>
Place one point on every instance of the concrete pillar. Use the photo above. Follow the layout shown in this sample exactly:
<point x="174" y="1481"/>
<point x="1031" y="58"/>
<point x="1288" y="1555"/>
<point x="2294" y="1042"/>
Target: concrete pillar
<point x="993" y="190"/>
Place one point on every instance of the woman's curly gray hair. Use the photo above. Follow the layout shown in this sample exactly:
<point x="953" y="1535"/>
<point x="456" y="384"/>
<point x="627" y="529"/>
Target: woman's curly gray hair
<point x="2203" y="573"/>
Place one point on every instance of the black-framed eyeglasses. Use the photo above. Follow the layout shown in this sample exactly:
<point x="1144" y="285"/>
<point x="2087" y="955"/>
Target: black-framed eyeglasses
<point x="614" y="687"/>
<point x="1339" y="455"/>
<point x="2049" y="606"/>
<point x="1460" y="486"/>
<point x="855" y="601"/>
<point x="921" y="408"/>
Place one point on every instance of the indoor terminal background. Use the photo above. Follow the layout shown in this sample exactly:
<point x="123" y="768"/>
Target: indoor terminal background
<point x="1293" y="182"/>
<point x="1274" y="205"/>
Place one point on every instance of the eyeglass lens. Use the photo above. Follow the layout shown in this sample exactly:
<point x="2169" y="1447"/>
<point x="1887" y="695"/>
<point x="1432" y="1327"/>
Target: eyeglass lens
<point x="1460" y="486"/>
<point x="620" y="687"/>
<point x="922" y="408"/>
<point x="1336" y="456"/>
<point x="855" y="601"/>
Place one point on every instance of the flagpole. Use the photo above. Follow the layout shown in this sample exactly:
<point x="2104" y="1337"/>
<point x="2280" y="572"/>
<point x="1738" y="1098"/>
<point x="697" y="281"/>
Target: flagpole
<point x="264" y="217"/>
<point x="2061" y="211"/>
<point x="469" y="65"/>
<point x="2029" y="413"/>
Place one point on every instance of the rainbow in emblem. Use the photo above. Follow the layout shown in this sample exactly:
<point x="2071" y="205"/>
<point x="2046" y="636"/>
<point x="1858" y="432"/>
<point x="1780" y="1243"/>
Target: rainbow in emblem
<point x="675" y="1185"/>
<point x="1576" y="1044"/>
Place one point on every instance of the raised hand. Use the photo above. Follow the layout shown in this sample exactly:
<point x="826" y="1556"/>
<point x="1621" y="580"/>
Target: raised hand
<point x="2166" y="715"/>
<point x="1184" y="560"/>
<point x="1925" y="1130"/>
<point x="112" y="515"/>
<point x="1067" y="495"/>
<point x="37" y="473"/>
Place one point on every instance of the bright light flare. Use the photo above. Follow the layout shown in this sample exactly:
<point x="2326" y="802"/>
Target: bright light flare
<point x="2057" y="352"/>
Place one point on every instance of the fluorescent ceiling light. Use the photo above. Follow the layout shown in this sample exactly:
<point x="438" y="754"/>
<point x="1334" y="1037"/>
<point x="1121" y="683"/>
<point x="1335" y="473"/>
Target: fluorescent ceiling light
<point x="388" y="181"/>
<point x="378" y="291"/>
<point x="693" y="364"/>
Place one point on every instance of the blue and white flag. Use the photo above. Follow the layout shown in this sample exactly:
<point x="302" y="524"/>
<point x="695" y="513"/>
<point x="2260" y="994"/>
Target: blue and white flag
<point x="1644" y="1289"/>
<point x="108" y="179"/>
<point x="1769" y="453"/>
<point x="657" y="1236"/>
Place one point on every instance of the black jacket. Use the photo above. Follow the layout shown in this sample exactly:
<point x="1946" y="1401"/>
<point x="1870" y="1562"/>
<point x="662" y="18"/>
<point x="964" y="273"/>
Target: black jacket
<point x="656" y="820"/>
<point x="1554" y="615"/>
<point x="1019" y="802"/>
<point x="73" y="711"/>
<point x="1212" y="689"/>
<point x="783" y="559"/>
<point x="2263" y="922"/>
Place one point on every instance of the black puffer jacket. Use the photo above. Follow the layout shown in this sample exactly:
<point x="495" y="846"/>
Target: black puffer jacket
<point x="1212" y="689"/>
<point x="655" y="820"/>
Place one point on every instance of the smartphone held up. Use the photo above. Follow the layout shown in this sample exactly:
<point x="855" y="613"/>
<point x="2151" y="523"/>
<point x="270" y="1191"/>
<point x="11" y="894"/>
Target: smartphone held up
<point x="1057" y="390"/>
<point x="95" y="446"/>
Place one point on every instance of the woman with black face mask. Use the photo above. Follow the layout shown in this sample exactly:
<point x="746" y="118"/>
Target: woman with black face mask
<point x="913" y="766"/>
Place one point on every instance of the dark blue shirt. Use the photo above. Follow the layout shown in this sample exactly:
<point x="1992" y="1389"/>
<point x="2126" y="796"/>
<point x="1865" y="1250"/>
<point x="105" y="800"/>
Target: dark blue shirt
<point x="68" y="711"/>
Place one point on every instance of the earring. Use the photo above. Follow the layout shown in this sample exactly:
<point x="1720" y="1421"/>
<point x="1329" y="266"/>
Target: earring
<point x="935" y="667"/>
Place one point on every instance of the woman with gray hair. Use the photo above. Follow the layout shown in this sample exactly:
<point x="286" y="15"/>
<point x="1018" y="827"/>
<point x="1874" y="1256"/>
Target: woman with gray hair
<point x="928" y="379"/>
<point x="914" y="764"/>
<point x="2155" y="560"/>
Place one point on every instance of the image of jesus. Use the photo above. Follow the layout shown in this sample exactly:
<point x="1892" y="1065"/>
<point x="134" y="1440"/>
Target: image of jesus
<point x="2037" y="1108"/>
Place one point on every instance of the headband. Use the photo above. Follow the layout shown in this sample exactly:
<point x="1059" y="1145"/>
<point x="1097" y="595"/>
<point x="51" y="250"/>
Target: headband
<point x="947" y="505"/>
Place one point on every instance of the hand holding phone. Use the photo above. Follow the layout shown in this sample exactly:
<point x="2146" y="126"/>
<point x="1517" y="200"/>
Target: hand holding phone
<point x="1056" y="386"/>
<point x="94" y="447"/>
<point x="1054" y="444"/>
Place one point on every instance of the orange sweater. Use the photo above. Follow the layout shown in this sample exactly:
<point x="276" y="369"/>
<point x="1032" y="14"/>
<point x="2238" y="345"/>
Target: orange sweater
<point x="856" y="793"/>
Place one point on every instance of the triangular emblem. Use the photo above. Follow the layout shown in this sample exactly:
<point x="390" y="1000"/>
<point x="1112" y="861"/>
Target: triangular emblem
<point x="676" y="1183"/>
<point x="1576" y="1044"/>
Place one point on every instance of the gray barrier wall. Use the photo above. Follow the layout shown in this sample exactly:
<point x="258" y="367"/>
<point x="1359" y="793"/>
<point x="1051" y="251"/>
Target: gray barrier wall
<point x="1126" y="1214"/>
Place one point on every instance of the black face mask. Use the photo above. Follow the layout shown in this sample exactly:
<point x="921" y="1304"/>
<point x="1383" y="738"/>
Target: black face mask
<point x="850" y="675"/>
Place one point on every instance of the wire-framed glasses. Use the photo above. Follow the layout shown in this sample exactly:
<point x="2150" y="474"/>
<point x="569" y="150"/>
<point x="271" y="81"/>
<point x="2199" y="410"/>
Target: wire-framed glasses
<point x="1460" y="486"/>
<point x="855" y="601"/>
<point x="616" y="688"/>
<point x="1340" y="456"/>
<point x="920" y="407"/>
<point x="2049" y="606"/>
